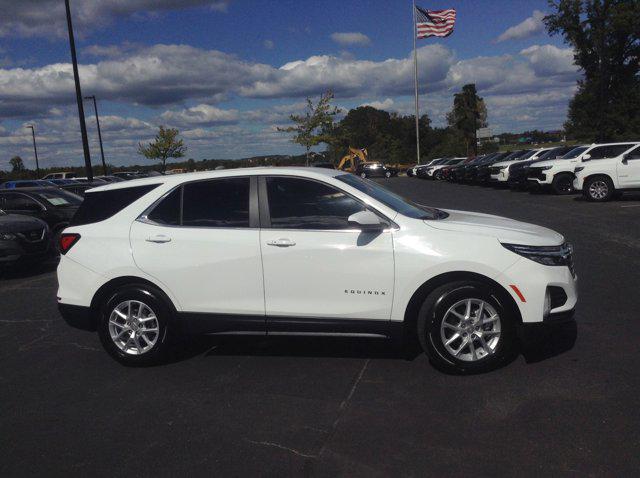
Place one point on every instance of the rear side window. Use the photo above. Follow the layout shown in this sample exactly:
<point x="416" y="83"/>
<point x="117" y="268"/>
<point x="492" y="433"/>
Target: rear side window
<point x="98" y="206"/>
<point x="167" y="212"/>
<point x="216" y="203"/>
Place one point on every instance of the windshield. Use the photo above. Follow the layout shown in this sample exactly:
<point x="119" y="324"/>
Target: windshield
<point x="392" y="200"/>
<point x="528" y="154"/>
<point x="575" y="152"/>
<point x="60" y="198"/>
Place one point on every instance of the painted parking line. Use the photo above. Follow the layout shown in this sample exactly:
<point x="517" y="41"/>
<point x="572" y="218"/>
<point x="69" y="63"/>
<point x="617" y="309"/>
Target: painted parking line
<point x="631" y="205"/>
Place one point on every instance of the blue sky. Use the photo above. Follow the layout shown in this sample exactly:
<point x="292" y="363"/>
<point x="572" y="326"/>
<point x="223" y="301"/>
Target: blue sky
<point x="226" y="73"/>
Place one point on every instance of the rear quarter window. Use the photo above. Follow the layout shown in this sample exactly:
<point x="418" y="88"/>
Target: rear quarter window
<point x="101" y="205"/>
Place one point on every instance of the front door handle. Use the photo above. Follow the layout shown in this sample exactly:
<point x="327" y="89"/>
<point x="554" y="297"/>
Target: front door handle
<point x="158" y="239"/>
<point x="281" y="243"/>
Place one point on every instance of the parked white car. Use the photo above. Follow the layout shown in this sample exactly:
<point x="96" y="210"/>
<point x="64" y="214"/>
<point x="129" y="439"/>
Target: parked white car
<point x="433" y="171"/>
<point x="603" y="173"/>
<point x="500" y="171"/>
<point x="414" y="170"/>
<point x="559" y="173"/>
<point x="60" y="175"/>
<point x="304" y="251"/>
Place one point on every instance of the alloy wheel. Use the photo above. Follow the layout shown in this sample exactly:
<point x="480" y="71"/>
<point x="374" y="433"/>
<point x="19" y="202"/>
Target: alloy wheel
<point x="470" y="330"/>
<point x="598" y="189"/>
<point x="134" y="327"/>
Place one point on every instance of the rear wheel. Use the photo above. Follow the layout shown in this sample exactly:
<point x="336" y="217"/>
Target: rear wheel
<point x="387" y="174"/>
<point x="464" y="328"/>
<point x="562" y="184"/>
<point x="134" y="325"/>
<point x="598" y="189"/>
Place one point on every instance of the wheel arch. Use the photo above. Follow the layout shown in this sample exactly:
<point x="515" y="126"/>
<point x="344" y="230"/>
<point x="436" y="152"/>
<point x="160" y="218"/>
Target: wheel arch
<point x="600" y="175"/>
<point x="418" y="297"/>
<point x="113" y="284"/>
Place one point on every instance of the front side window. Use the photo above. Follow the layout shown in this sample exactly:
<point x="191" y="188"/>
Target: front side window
<point x="18" y="202"/>
<point x="603" y="152"/>
<point x="296" y="203"/>
<point x="216" y="203"/>
<point x="392" y="200"/>
<point x="167" y="212"/>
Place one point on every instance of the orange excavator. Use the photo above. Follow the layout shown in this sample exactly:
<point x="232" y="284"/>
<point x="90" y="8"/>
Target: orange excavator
<point x="352" y="160"/>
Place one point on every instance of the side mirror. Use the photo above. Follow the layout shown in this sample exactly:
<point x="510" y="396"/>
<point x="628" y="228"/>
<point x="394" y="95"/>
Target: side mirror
<point x="366" y="221"/>
<point x="586" y="157"/>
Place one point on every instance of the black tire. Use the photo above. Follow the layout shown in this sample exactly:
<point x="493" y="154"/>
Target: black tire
<point x="432" y="313"/>
<point x="363" y="175"/>
<point x="437" y="175"/>
<point x="598" y="189"/>
<point x="387" y="174"/>
<point x="163" y="312"/>
<point x="562" y="184"/>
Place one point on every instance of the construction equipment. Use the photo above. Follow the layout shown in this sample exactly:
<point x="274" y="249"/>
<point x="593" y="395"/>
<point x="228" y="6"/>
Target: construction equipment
<point x="352" y="160"/>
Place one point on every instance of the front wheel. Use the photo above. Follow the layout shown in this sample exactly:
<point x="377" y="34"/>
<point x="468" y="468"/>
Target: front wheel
<point x="363" y="175"/>
<point x="387" y="174"/>
<point x="562" y="184"/>
<point x="464" y="328"/>
<point x="134" y="325"/>
<point x="598" y="189"/>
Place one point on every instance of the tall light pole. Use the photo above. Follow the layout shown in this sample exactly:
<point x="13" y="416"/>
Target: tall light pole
<point x="76" y="77"/>
<point x="35" y="150"/>
<point x="95" y="108"/>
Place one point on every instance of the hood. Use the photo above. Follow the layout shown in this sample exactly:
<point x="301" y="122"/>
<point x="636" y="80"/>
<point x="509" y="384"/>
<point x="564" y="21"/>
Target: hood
<point x="502" y="228"/>
<point x="19" y="223"/>
<point x="555" y="162"/>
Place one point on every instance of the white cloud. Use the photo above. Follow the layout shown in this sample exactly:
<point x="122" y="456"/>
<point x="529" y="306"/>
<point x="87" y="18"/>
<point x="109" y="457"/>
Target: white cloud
<point x="525" y="29"/>
<point x="350" y="38"/>
<point x="201" y="115"/>
<point x="551" y="60"/>
<point x="47" y="17"/>
<point x="387" y="104"/>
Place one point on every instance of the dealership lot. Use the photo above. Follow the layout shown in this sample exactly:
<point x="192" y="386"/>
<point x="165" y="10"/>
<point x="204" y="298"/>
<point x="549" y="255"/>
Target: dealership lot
<point x="267" y="407"/>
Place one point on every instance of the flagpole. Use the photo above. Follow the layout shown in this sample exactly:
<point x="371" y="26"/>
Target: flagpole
<point x="415" y="79"/>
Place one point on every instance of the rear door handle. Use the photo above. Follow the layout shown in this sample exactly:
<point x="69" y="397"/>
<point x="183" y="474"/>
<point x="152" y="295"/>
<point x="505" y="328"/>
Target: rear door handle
<point x="159" y="239"/>
<point x="281" y="243"/>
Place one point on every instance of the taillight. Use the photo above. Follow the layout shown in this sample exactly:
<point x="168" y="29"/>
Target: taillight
<point x="67" y="241"/>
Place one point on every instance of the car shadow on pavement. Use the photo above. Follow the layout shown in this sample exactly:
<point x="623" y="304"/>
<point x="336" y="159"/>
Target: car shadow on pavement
<point x="263" y="346"/>
<point x="544" y="341"/>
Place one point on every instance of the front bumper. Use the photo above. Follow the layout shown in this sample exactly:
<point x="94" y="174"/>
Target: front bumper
<point x="533" y="280"/>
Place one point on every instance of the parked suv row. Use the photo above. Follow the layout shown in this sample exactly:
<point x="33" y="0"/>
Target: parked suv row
<point x="598" y="171"/>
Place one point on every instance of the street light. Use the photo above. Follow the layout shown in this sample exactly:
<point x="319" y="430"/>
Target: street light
<point x="76" y="77"/>
<point x="35" y="150"/>
<point x="95" y="108"/>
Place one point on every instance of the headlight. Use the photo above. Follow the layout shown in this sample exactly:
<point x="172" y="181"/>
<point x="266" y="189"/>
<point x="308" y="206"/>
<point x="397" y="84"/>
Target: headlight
<point x="7" y="236"/>
<point x="578" y="169"/>
<point x="544" y="168"/>
<point x="547" y="255"/>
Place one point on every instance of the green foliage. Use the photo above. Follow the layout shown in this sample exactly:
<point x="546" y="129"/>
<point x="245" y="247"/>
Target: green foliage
<point x="316" y="125"/>
<point x="469" y="113"/>
<point x="17" y="165"/>
<point x="605" y="37"/>
<point x="387" y="136"/>
<point x="165" y="145"/>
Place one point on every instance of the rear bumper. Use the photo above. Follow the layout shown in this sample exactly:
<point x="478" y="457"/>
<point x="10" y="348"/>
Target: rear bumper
<point x="77" y="316"/>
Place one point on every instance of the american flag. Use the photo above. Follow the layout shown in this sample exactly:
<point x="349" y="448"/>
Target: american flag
<point x="434" y="23"/>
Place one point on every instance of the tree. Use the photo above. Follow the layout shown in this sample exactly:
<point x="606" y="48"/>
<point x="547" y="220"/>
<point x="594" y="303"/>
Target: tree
<point x="165" y="145"/>
<point x="468" y="114"/>
<point x="316" y="125"/>
<point x="605" y="38"/>
<point x="17" y="165"/>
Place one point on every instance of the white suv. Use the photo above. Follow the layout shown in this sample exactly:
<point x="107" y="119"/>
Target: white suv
<point x="500" y="171"/>
<point x="606" y="170"/>
<point x="557" y="173"/>
<point x="304" y="251"/>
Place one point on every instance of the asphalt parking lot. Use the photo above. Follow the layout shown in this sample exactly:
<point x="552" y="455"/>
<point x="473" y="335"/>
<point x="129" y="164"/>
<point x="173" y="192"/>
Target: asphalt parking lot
<point x="301" y="407"/>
